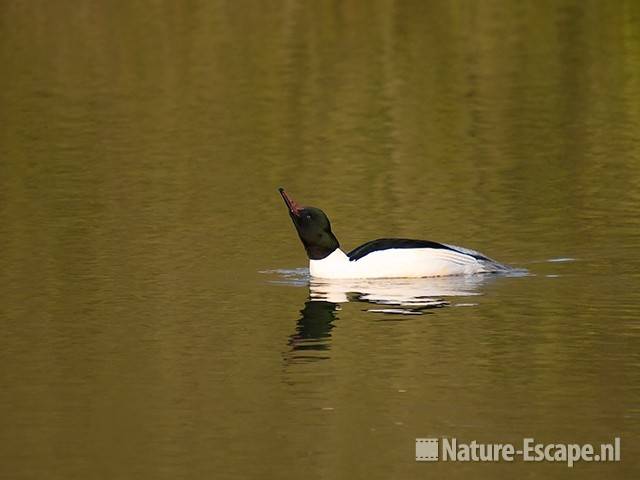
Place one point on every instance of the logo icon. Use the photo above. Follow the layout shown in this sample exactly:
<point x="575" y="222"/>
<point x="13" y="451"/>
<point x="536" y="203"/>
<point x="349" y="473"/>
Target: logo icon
<point x="426" y="449"/>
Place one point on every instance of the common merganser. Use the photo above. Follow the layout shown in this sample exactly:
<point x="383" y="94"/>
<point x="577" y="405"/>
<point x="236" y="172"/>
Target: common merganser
<point x="381" y="258"/>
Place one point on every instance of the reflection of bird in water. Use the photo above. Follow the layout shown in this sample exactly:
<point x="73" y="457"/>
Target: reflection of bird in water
<point x="317" y="320"/>
<point x="404" y="296"/>
<point x="313" y="330"/>
<point x="409" y="295"/>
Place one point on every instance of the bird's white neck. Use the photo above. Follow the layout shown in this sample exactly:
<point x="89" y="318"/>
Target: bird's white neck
<point x="327" y="267"/>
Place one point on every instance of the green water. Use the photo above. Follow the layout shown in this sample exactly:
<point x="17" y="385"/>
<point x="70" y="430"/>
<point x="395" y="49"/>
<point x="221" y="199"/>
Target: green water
<point x="141" y="147"/>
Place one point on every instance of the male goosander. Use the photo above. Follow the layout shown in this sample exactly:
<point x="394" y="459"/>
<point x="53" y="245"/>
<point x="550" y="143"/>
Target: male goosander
<point x="382" y="258"/>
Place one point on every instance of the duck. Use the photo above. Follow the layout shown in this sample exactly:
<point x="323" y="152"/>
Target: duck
<point x="383" y="257"/>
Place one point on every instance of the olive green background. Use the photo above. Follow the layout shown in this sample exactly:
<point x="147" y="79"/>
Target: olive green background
<point x="141" y="146"/>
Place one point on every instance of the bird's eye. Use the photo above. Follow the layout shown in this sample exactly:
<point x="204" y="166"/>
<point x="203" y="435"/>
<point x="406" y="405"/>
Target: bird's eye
<point x="308" y="216"/>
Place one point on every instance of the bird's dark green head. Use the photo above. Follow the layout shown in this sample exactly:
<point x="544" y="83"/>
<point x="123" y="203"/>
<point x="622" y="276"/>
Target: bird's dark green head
<point x="313" y="228"/>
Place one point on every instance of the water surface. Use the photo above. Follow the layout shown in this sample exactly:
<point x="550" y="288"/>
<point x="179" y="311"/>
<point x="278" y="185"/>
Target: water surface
<point x="140" y="152"/>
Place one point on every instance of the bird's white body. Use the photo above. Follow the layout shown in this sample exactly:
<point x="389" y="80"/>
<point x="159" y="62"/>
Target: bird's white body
<point x="404" y="263"/>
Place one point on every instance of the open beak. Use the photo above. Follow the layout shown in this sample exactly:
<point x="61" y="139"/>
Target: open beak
<point x="293" y="207"/>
